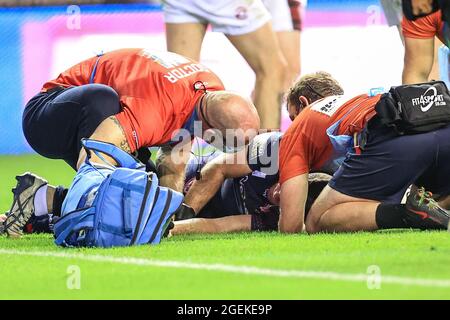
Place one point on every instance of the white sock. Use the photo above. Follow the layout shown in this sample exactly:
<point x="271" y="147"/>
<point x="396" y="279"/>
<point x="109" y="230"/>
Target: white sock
<point x="40" y="201"/>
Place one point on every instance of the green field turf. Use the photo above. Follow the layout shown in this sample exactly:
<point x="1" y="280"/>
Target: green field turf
<point x="213" y="267"/>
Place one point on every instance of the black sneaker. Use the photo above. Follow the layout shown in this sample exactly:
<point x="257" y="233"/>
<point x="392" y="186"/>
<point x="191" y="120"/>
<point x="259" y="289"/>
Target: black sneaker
<point x="422" y="205"/>
<point x="22" y="208"/>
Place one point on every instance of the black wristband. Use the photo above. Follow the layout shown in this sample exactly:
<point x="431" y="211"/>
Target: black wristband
<point x="184" y="212"/>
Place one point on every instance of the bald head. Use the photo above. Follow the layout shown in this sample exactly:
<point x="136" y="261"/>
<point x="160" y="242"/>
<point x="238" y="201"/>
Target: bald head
<point x="226" y="110"/>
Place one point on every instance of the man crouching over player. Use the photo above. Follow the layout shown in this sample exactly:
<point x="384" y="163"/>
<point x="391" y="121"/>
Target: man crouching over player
<point x="375" y="166"/>
<point x="241" y="191"/>
<point x="134" y="99"/>
<point x="378" y="166"/>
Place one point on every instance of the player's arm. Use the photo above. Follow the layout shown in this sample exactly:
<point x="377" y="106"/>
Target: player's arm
<point x="418" y="62"/>
<point x="294" y="169"/>
<point x="213" y="174"/>
<point x="236" y="223"/>
<point x="171" y="164"/>
<point x="267" y="221"/>
<point x="292" y="204"/>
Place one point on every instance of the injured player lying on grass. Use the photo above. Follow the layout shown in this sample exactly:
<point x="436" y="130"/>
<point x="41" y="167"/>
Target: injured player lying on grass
<point x="233" y="197"/>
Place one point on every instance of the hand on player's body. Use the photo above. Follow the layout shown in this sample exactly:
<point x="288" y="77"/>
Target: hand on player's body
<point x="292" y="204"/>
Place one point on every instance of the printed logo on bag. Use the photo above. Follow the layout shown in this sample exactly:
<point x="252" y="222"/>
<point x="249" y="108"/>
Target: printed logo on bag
<point x="429" y="99"/>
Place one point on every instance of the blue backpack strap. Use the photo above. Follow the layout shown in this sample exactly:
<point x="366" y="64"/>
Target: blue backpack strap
<point x="170" y="203"/>
<point x="73" y="222"/>
<point x="94" y="70"/>
<point x="122" y="158"/>
<point x="150" y="198"/>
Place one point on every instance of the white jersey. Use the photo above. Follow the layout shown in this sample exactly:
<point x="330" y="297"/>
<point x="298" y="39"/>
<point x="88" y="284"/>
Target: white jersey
<point x="286" y="14"/>
<point x="231" y="17"/>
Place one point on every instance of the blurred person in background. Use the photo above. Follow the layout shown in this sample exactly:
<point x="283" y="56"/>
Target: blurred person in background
<point x="424" y="22"/>
<point x="287" y="16"/>
<point x="247" y="25"/>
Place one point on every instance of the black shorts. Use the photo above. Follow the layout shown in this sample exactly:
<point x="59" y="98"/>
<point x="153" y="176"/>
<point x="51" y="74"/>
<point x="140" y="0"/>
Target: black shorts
<point x="54" y="122"/>
<point x="390" y="163"/>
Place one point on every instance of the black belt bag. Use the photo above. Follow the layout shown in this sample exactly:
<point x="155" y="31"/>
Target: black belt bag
<point x="415" y="108"/>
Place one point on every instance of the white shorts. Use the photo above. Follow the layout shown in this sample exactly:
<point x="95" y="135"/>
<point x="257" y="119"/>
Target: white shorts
<point x="286" y="14"/>
<point x="231" y="17"/>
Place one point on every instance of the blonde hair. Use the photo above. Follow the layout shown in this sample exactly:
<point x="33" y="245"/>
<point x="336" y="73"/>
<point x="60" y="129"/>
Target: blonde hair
<point x="313" y="86"/>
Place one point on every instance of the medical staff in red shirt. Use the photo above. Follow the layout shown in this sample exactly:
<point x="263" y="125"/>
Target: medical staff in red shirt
<point x="134" y="99"/>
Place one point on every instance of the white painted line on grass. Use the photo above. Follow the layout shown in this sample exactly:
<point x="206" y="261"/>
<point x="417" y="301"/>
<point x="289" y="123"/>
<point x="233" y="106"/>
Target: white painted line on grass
<point x="355" y="277"/>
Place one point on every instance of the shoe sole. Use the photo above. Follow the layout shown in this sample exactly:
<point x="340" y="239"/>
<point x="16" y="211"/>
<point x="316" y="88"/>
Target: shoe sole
<point x="23" y="183"/>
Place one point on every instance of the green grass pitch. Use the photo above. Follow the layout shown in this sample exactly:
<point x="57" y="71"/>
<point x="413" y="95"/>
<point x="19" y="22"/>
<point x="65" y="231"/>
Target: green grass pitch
<point x="411" y="264"/>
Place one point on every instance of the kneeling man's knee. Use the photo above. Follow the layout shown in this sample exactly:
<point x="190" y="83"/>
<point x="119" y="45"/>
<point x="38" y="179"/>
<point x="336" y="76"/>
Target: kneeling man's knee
<point x="313" y="226"/>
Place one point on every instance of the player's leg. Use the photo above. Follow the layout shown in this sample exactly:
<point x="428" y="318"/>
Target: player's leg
<point x="432" y="198"/>
<point x="185" y="38"/>
<point x="31" y="196"/>
<point x="287" y="24"/>
<point x="365" y="193"/>
<point x="54" y="129"/>
<point x="290" y="42"/>
<point x="336" y="212"/>
<point x="184" y="30"/>
<point x="261" y="50"/>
